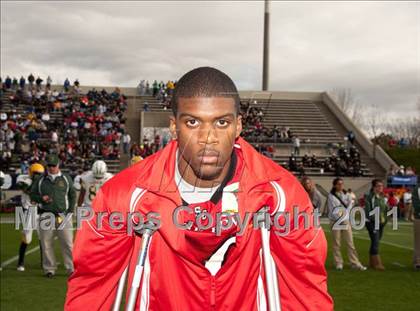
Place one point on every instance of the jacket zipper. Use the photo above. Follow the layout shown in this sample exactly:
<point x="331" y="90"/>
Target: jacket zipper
<point x="213" y="293"/>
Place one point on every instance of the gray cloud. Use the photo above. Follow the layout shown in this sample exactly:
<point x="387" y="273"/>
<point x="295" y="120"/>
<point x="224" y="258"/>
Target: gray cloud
<point x="372" y="48"/>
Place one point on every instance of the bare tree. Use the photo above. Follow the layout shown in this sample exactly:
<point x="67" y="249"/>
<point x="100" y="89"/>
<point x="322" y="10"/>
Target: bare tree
<point x="418" y="107"/>
<point x="407" y="128"/>
<point x="375" y="121"/>
<point x="347" y="101"/>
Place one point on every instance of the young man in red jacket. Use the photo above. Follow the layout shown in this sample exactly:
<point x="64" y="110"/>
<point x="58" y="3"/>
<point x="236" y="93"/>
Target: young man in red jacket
<point x="210" y="172"/>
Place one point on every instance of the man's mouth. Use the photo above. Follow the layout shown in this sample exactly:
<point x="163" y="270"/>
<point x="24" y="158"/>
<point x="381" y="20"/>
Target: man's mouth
<point x="208" y="157"/>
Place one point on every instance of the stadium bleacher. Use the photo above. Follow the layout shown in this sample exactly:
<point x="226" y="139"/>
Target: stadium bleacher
<point x="26" y="113"/>
<point x="320" y="133"/>
<point x="305" y="118"/>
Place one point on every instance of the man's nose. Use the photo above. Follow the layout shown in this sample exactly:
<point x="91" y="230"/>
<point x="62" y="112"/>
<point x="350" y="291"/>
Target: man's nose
<point x="208" y="135"/>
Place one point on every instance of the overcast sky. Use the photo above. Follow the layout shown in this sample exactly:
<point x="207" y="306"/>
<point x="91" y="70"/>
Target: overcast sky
<point x="371" y="47"/>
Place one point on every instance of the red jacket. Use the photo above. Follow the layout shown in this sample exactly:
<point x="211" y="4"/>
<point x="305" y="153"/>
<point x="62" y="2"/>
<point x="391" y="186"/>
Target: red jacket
<point x="175" y="277"/>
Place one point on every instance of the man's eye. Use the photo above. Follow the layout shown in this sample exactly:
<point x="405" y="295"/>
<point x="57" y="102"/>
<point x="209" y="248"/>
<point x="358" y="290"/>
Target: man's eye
<point x="192" y="123"/>
<point x="222" y="123"/>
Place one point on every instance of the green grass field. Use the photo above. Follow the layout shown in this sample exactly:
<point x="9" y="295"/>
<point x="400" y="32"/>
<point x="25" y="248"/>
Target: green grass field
<point x="397" y="288"/>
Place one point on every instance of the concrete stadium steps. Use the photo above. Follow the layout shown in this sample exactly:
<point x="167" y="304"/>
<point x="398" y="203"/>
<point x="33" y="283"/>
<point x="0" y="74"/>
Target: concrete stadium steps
<point x="305" y="147"/>
<point x="286" y="105"/>
<point x="286" y="149"/>
<point x="286" y="118"/>
<point x="308" y="143"/>
<point x="304" y="108"/>
<point x="155" y="107"/>
<point x="317" y="173"/>
<point x="301" y="110"/>
<point x="304" y="118"/>
<point x="283" y="160"/>
<point x="311" y="121"/>
<point x="288" y="121"/>
<point x="299" y="158"/>
<point x="374" y="166"/>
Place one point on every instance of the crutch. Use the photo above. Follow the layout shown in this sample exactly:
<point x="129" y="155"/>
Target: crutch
<point x="138" y="272"/>
<point x="120" y="291"/>
<point x="269" y="265"/>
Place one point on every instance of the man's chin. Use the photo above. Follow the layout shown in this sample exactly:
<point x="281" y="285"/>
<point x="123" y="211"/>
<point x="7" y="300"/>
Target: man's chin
<point x="209" y="174"/>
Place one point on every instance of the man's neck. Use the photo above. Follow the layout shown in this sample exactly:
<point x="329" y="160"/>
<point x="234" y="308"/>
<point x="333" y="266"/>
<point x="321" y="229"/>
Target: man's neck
<point x="189" y="176"/>
<point x="56" y="174"/>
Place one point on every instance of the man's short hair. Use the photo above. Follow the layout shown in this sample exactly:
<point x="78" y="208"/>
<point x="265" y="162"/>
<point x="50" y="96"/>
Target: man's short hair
<point x="305" y="179"/>
<point x="204" y="82"/>
<point x="337" y="180"/>
<point x="376" y="181"/>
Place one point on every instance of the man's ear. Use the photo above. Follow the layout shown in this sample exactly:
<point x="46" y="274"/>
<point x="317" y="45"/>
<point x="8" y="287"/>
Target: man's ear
<point x="238" y="126"/>
<point x="172" y="127"/>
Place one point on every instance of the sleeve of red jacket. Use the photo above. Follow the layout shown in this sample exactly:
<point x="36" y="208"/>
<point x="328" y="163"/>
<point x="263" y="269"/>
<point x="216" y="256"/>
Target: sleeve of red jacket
<point x="300" y="254"/>
<point x="100" y="255"/>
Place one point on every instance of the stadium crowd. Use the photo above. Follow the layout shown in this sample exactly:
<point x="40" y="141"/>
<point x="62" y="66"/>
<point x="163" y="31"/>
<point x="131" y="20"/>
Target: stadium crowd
<point x="159" y="90"/>
<point x="36" y="120"/>
<point x="150" y="145"/>
<point x="346" y="162"/>
<point x="92" y="125"/>
<point x="401" y="171"/>
<point x="254" y="129"/>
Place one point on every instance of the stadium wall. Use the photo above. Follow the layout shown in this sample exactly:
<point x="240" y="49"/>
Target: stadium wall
<point x="154" y="119"/>
<point x="127" y="91"/>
